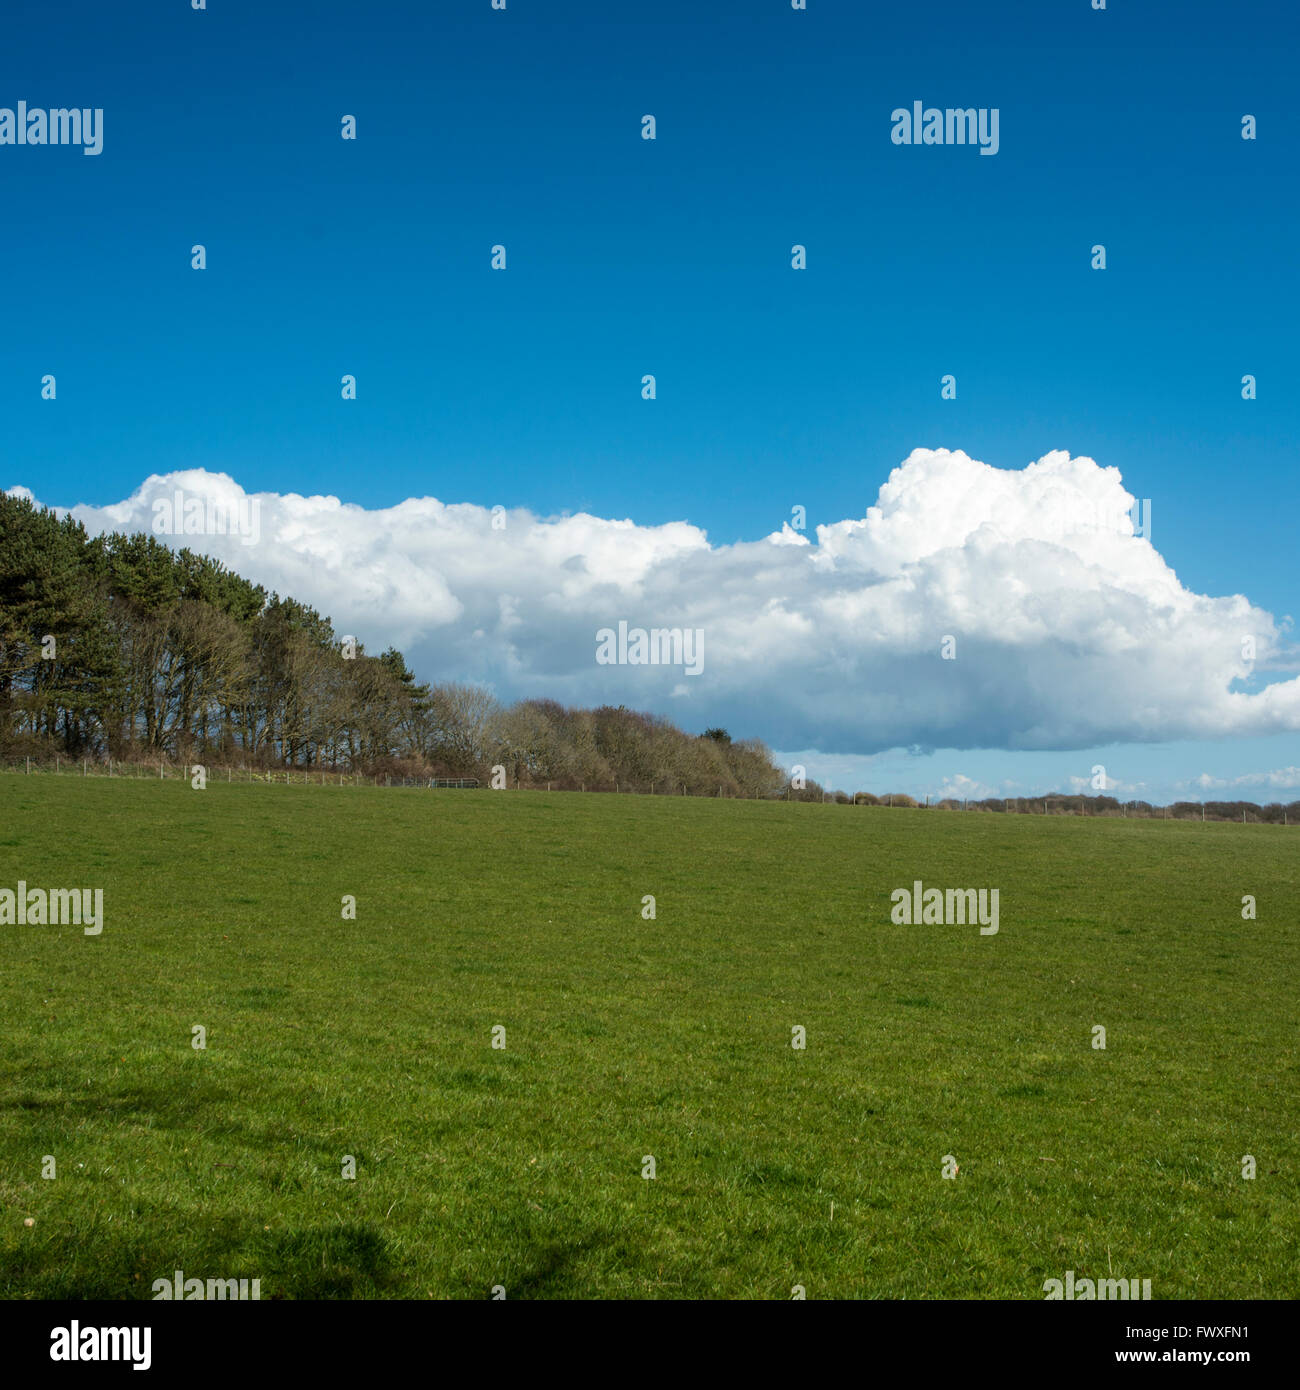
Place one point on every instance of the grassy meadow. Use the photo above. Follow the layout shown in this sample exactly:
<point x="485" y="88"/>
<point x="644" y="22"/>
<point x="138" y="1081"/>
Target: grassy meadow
<point x="626" y="1037"/>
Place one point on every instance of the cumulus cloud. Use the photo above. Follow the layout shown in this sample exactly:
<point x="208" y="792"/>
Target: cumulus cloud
<point x="1103" y="785"/>
<point x="959" y="787"/>
<point x="1282" y="778"/>
<point x="1067" y="629"/>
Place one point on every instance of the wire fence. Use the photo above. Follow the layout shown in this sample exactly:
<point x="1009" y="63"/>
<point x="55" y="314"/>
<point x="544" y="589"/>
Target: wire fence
<point x="161" y="769"/>
<point x="164" y="770"/>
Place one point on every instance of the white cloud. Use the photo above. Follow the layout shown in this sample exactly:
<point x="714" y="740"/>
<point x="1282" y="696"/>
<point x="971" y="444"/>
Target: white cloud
<point x="1070" y="631"/>
<point x="959" y="787"/>
<point x="1282" y="778"/>
<point x="1085" y="786"/>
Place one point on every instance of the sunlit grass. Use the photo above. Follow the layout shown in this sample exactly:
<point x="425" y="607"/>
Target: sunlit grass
<point x="628" y="1037"/>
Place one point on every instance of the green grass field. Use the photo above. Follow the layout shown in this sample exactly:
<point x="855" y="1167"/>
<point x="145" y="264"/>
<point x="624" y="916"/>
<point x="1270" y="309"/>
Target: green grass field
<point x="626" y="1037"/>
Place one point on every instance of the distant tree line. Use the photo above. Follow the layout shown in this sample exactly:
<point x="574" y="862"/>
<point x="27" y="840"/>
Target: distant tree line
<point x="1063" y="804"/>
<point x="117" y="647"/>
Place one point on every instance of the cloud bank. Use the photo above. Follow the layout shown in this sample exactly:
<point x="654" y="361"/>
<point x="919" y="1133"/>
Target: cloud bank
<point x="1067" y="629"/>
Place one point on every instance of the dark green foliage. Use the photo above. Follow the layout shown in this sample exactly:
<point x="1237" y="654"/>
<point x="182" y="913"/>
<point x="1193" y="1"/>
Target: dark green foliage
<point x="152" y="653"/>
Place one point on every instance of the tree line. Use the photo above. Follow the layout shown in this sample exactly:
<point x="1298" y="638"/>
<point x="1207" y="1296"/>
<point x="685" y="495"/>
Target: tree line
<point x="118" y="647"/>
<point x="1065" y="804"/>
<point x="115" y="646"/>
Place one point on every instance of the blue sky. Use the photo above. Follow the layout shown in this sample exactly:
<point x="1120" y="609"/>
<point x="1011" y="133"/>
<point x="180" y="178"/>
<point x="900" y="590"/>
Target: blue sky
<point x="774" y="388"/>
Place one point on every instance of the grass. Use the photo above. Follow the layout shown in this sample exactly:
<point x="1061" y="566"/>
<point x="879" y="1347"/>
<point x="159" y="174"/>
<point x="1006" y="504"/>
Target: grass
<point x="629" y="1037"/>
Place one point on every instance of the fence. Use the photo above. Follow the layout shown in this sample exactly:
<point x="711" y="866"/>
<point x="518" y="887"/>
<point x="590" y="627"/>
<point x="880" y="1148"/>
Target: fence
<point x="167" y="771"/>
<point x="60" y="766"/>
<point x="161" y="769"/>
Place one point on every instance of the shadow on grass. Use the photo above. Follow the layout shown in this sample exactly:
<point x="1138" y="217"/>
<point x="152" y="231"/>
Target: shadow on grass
<point x="103" y="1263"/>
<point x="164" y="1106"/>
<point x="548" y="1273"/>
<point x="331" y="1262"/>
<point x="348" y="1261"/>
